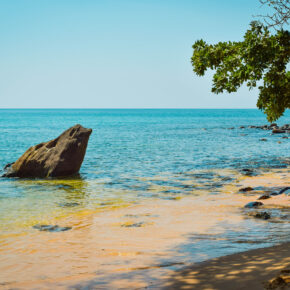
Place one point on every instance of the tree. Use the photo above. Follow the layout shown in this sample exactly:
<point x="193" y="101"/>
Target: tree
<point x="261" y="58"/>
<point x="280" y="15"/>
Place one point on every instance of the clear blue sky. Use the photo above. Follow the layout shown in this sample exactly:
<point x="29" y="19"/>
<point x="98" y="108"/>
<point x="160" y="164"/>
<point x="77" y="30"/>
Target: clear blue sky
<point x="114" y="53"/>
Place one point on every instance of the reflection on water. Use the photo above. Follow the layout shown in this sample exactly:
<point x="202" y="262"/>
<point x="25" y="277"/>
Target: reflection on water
<point x="45" y="201"/>
<point x="180" y="219"/>
<point x="154" y="187"/>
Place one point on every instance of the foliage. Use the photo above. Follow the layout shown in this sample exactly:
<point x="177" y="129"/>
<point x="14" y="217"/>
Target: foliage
<point x="260" y="56"/>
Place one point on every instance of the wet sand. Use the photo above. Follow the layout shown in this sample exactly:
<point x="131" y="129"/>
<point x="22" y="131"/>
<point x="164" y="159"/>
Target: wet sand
<point x="139" y="246"/>
<point x="247" y="270"/>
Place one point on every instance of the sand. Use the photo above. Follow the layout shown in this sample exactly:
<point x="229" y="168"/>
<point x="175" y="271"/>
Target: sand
<point x="247" y="270"/>
<point x="105" y="250"/>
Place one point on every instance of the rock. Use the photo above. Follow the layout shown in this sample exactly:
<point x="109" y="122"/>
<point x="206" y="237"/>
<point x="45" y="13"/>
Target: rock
<point x="69" y="204"/>
<point x="285" y="189"/>
<point x="262" y="215"/>
<point x="62" y="156"/>
<point x="242" y="127"/>
<point x="247" y="172"/>
<point x="245" y="189"/>
<point x="266" y="127"/>
<point x="282" y="281"/>
<point x="8" y="165"/>
<point x="263" y="139"/>
<point x="284" y="137"/>
<point x="278" y="131"/>
<point x="264" y="196"/>
<point x="231" y="128"/>
<point x="285" y="127"/>
<point x="276" y="283"/>
<point x="253" y="127"/>
<point x="133" y="225"/>
<point x="274" y="193"/>
<point x="51" y="228"/>
<point x="274" y="125"/>
<point x="253" y="204"/>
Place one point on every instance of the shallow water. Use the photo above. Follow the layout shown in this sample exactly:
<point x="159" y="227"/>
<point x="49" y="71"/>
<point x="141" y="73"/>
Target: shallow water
<point x="134" y="157"/>
<point x="126" y="146"/>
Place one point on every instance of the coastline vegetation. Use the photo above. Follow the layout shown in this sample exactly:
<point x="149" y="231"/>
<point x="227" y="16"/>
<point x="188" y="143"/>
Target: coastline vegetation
<point x="261" y="60"/>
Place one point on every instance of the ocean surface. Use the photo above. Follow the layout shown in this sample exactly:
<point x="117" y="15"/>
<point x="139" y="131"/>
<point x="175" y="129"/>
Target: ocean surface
<point x="135" y="155"/>
<point x="127" y="145"/>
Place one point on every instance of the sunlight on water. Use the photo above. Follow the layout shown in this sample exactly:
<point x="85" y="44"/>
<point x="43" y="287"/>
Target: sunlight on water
<point x="155" y="185"/>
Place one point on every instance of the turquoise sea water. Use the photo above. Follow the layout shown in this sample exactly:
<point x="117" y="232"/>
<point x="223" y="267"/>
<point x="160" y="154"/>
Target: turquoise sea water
<point x="147" y="142"/>
<point x="132" y="155"/>
<point x="129" y="144"/>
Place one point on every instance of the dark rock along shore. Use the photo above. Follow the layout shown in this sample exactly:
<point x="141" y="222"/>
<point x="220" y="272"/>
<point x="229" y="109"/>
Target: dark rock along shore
<point x="62" y="156"/>
<point x="274" y="127"/>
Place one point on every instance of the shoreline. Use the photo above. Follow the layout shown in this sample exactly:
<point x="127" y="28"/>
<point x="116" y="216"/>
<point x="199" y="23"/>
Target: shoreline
<point x="252" y="269"/>
<point x="141" y="245"/>
<point x="245" y="270"/>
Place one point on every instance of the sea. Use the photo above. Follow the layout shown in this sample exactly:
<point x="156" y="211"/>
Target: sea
<point x="137" y="155"/>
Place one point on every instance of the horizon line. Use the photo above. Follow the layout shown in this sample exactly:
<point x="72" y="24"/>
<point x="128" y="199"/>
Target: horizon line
<point x="106" y="108"/>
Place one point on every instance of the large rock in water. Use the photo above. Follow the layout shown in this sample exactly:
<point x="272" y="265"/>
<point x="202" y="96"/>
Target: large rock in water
<point x="62" y="156"/>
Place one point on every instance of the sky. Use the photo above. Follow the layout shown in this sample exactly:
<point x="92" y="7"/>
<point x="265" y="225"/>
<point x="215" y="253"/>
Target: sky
<point x="115" y="53"/>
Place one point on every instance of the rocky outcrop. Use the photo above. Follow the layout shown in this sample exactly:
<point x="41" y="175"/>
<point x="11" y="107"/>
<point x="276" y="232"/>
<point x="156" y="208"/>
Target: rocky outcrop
<point x="278" y="131"/>
<point x="62" y="156"/>
<point x="274" y="127"/>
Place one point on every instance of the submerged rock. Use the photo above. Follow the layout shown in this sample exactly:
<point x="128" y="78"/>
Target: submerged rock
<point x="264" y="196"/>
<point x="262" y="215"/>
<point x="248" y="172"/>
<point x="62" y="156"/>
<point x="284" y="190"/>
<point x="69" y="204"/>
<point x="51" y="228"/>
<point x="246" y="189"/>
<point x="253" y="204"/>
<point x="133" y="225"/>
<point x="274" y="193"/>
<point x="263" y="139"/>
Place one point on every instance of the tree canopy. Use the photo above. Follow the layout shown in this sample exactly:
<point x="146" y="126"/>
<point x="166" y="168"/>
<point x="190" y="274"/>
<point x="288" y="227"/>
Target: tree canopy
<point x="259" y="60"/>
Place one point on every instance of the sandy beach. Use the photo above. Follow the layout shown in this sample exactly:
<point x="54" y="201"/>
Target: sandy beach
<point x="247" y="270"/>
<point x="144" y="145"/>
<point x="144" y="245"/>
